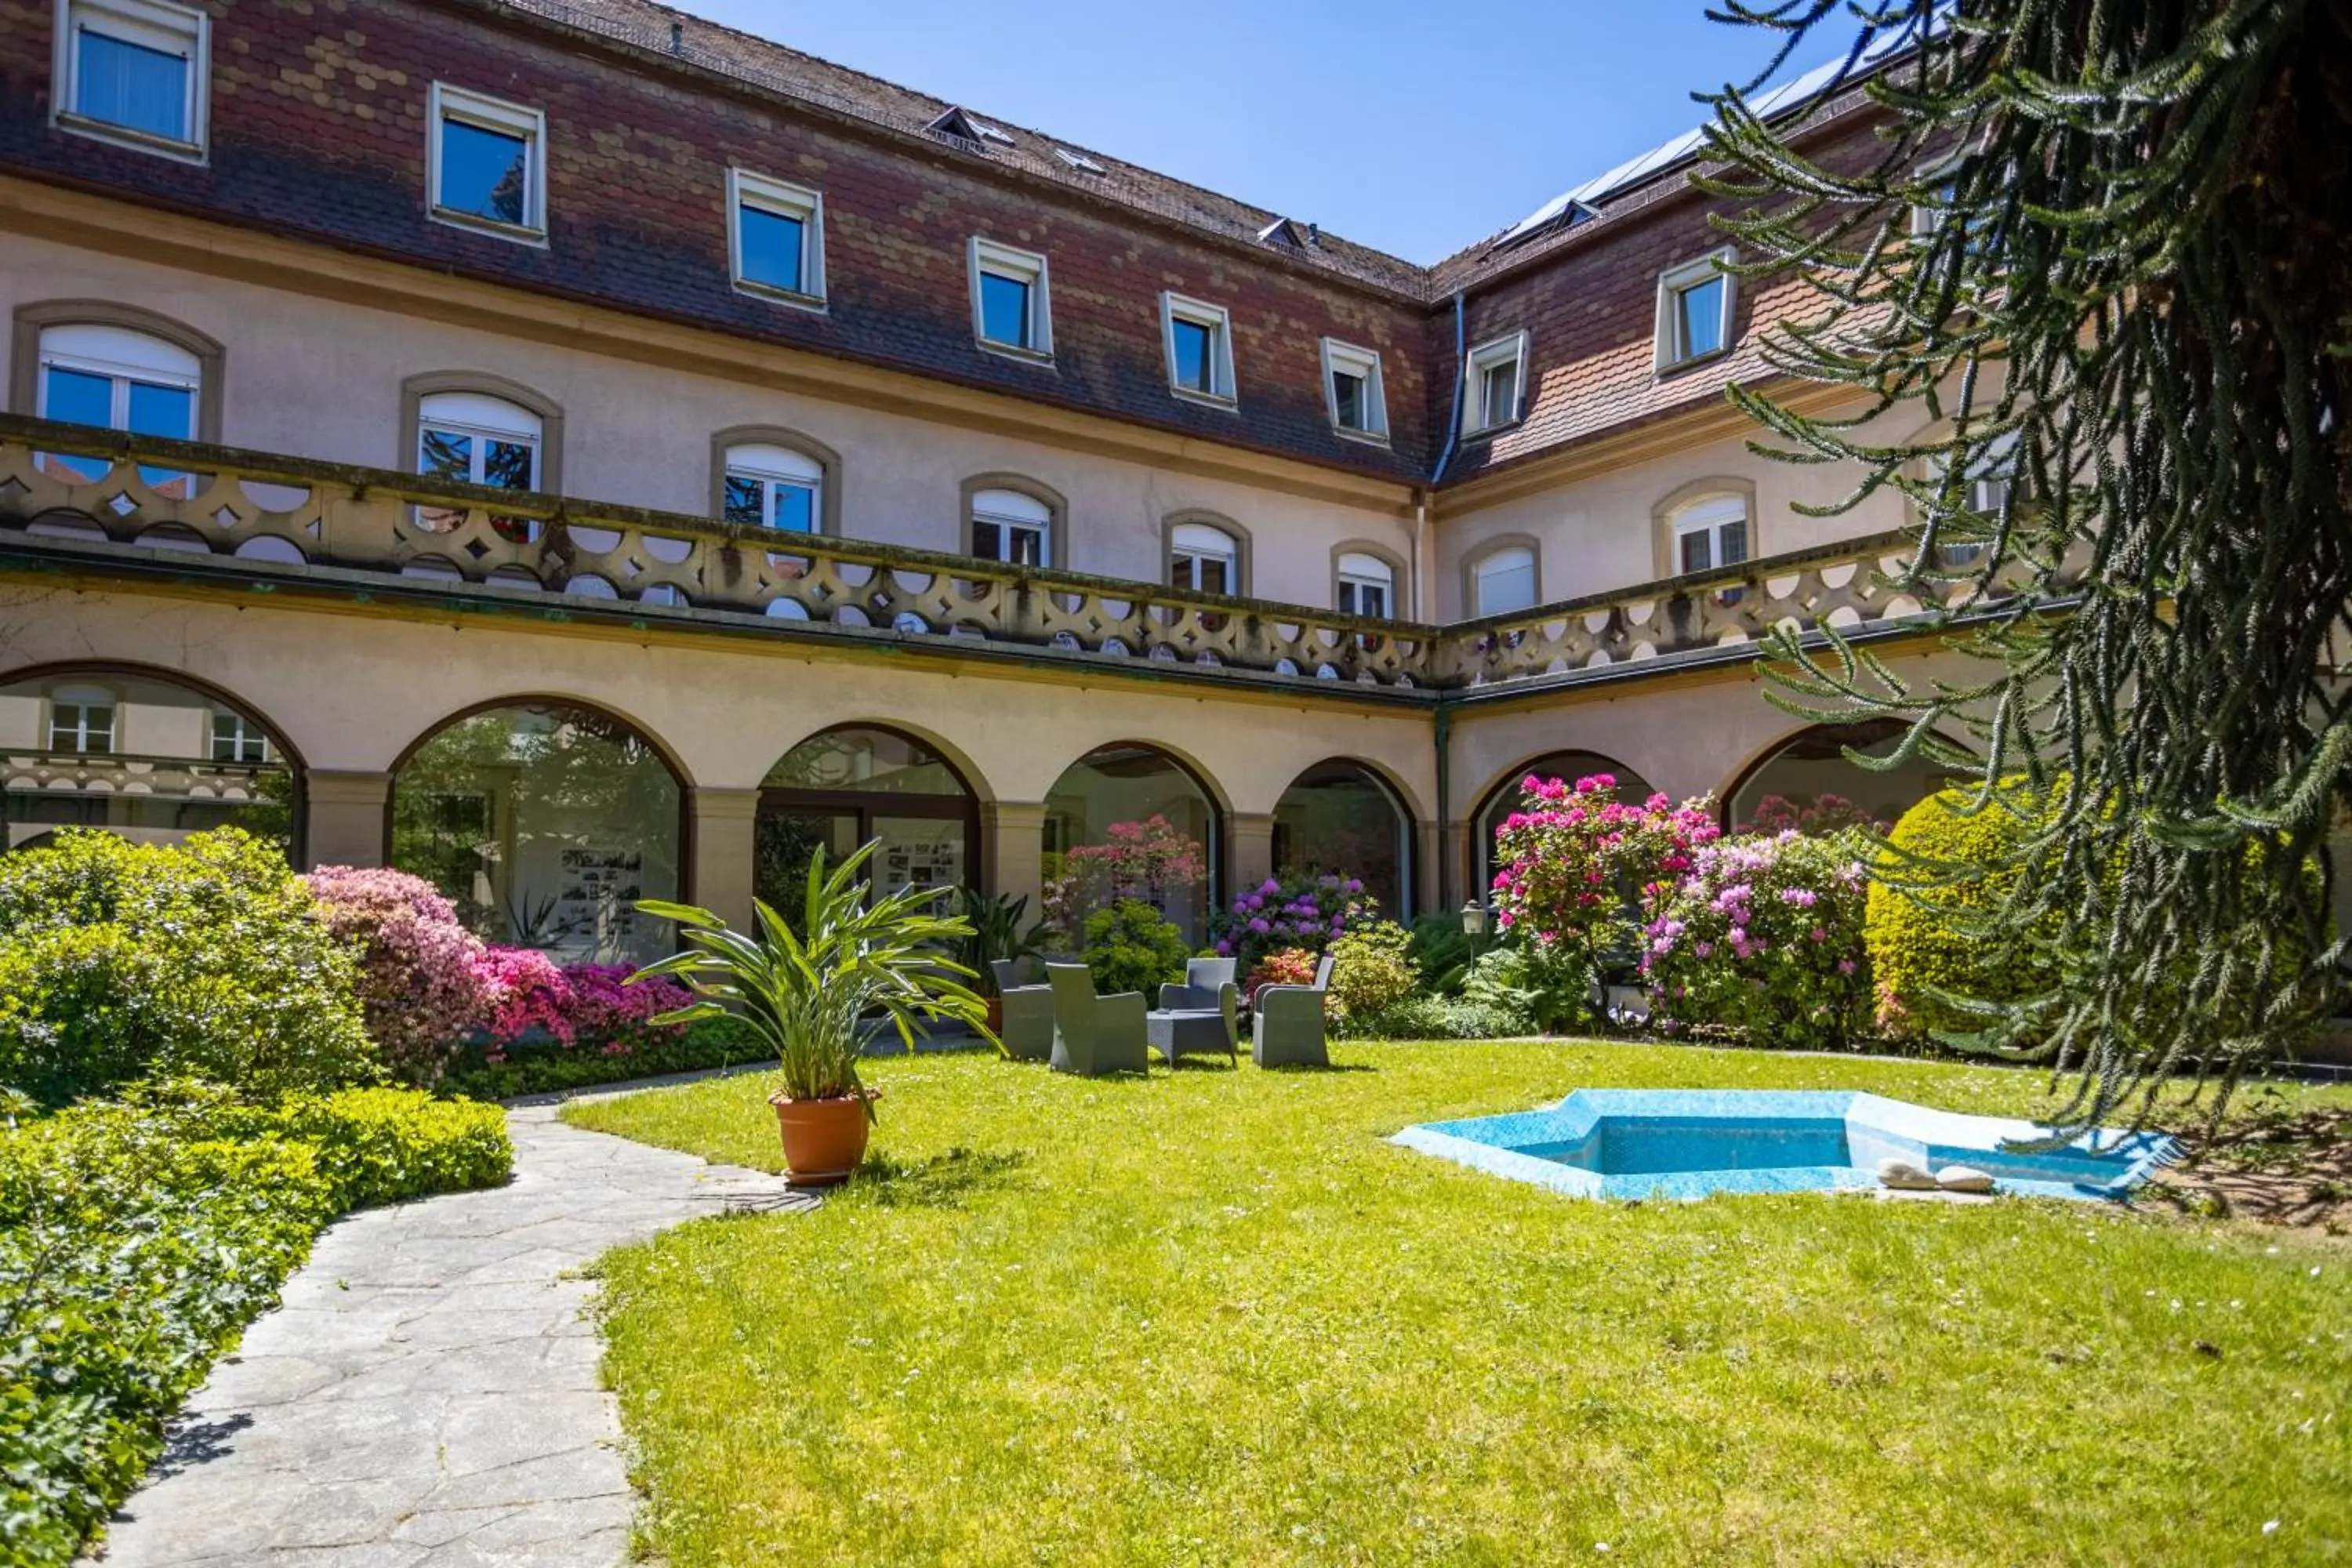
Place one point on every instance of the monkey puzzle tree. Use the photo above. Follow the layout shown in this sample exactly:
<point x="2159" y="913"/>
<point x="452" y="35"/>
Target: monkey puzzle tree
<point x="2106" y="249"/>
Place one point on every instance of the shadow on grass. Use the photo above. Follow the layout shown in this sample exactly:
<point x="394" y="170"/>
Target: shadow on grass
<point x="943" y="1181"/>
<point x="1309" y="1069"/>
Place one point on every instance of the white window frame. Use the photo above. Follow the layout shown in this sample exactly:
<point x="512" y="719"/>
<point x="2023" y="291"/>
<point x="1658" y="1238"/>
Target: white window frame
<point x="1006" y="523"/>
<point x="168" y="28"/>
<point x="988" y="257"/>
<point x="1361" y="579"/>
<point x="82" y="729"/>
<point x="444" y="103"/>
<point x="1485" y="565"/>
<point x="482" y="432"/>
<point x="1711" y="515"/>
<point x="169" y="365"/>
<point x="243" y="733"/>
<point x="1512" y="350"/>
<point x="747" y="459"/>
<point x="1673" y="284"/>
<point x="785" y="199"/>
<point x="1218" y="322"/>
<point x="1346" y="359"/>
<point x="1192" y="540"/>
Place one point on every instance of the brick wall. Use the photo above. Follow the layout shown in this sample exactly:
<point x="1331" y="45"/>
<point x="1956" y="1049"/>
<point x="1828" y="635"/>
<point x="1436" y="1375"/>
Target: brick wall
<point x="318" y="129"/>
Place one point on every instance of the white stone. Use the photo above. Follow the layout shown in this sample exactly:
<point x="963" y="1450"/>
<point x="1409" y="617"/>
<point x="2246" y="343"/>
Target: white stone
<point x="1903" y="1176"/>
<point x="1964" y="1179"/>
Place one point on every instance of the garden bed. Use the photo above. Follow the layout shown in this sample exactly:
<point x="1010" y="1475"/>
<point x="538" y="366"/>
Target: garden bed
<point x="1212" y="1317"/>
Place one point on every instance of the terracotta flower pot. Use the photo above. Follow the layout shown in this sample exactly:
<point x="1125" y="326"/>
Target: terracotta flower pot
<point x="996" y="1014"/>
<point x="824" y="1140"/>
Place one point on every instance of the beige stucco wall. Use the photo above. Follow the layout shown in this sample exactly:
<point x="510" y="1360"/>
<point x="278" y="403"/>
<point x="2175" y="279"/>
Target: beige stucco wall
<point x="1600" y="534"/>
<point x="321" y="378"/>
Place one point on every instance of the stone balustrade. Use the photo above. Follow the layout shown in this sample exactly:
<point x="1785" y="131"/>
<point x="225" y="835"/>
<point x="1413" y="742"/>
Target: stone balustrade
<point x="155" y="778"/>
<point x="137" y="502"/>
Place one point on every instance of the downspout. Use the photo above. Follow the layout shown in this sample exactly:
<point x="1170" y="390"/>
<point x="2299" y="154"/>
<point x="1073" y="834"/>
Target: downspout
<point x="1445" y="712"/>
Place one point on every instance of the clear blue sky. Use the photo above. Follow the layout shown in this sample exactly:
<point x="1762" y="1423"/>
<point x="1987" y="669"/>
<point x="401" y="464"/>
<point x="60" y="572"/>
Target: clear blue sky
<point x="1417" y="128"/>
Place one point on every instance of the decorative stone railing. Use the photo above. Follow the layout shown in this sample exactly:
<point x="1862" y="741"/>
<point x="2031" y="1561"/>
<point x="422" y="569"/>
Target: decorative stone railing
<point x="69" y="490"/>
<point x="154" y="778"/>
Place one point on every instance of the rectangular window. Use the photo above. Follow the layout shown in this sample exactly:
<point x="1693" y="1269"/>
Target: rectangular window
<point x="134" y="71"/>
<point x="1014" y="544"/>
<point x="1496" y="376"/>
<point x="1694" y="306"/>
<point x="486" y="163"/>
<point x="84" y="729"/>
<point x="1351" y="378"/>
<point x="776" y="237"/>
<point x="1358" y="597"/>
<point x="235" y="742"/>
<point x="1011" y="306"/>
<point x="1199" y="340"/>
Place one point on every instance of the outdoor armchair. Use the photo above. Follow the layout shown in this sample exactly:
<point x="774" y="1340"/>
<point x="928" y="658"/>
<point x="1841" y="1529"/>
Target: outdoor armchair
<point x="1027" y="1030"/>
<point x="1096" y="1034"/>
<point x="1202" y="1013"/>
<point x="1288" y="1029"/>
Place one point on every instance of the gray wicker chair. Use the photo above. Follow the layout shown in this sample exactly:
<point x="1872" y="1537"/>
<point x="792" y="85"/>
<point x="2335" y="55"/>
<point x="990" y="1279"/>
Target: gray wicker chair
<point x="1096" y="1034"/>
<point x="1028" y="1027"/>
<point x="1288" y="1028"/>
<point x="1203" y="1014"/>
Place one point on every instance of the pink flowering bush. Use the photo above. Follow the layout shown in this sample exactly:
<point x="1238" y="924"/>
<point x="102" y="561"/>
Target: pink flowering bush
<point x="1575" y="867"/>
<point x="1306" y="911"/>
<point x="1761" y="939"/>
<point x="422" y="985"/>
<point x="1145" y="860"/>
<point x="576" y="1007"/>
<point x="1825" y="812"/>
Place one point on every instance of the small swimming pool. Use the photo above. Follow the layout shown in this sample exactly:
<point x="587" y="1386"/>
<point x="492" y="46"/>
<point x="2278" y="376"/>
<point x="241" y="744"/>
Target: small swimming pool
<point x="1686" y="1144"/>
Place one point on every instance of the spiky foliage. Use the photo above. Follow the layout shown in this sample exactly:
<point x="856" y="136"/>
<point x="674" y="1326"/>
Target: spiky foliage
<point x="806" y="994"/>
<point x="2103" y="252"/>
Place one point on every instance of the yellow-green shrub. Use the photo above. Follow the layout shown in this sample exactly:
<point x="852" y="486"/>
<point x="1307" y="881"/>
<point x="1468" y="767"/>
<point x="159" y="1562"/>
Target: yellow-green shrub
<point x="1914" y="933"/>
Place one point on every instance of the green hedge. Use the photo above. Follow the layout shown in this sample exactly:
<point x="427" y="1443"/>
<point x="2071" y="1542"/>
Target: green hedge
<point x="139" y="1237"/>
<point x="551" y="1068"/>
<point x="1917" y="935"/>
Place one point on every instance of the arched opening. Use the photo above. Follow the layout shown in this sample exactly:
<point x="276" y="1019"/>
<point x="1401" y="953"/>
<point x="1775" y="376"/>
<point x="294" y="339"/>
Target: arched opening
<point x="1342" y="816"/>
<point x="1806" y="781"/>
<point x="1130" y="821"/>
<point x="1503" y="799"/>
<point x="140" y="754"/>
<point x="839" y="789"/>
<point x="544" y="823"/>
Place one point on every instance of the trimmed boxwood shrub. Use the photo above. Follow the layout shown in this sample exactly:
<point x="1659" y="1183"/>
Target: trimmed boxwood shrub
<point x="202" y="959"/>
<point x="548" y="1066"/>
<point x="1133" y="947"/>
<point x="138" y="1238"/>
<point x="1917" y="934"/>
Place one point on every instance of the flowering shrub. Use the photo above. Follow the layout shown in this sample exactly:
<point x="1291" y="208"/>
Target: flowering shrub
<point x="576" y="1007"/>
<point x="1304" y="911"/>
<point x="1827" y="813"/>
<point x="1137" y="860"/>
<point x="1371" y="973"/>
<point x="1575" y="866"/>
<point x="1291" y="966"/>
<point x="1763" y="939"/>
<point x="424" y="984"/>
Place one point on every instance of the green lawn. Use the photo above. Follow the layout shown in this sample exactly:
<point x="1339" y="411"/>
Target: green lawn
<point x="1212" y="1318"/>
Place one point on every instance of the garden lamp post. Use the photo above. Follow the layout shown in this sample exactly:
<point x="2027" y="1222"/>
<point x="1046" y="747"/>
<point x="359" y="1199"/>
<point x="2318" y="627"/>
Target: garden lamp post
<point x="1474" y="926"/>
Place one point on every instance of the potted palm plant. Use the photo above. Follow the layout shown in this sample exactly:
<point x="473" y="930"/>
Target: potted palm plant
<point x="808" y="995"/>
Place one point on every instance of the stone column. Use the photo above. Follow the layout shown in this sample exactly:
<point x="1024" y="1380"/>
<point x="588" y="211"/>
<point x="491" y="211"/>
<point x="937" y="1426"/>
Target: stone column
<point x="724" y="822"/>
<point x="1428" y="898"/>
<point x="1013" y="850"/>
<point x="1250" y="860"/>
<point x="345" y="815"/>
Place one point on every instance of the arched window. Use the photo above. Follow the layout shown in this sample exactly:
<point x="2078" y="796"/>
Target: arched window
<point x="846" y="786"/>
<point x="1503" y="580"/>
<point x="1012" y="526"/>
<point x="1203" y="558"/>
<point x="1710" y="533"/>
<point x="119" y="379"/>
<point x="544" y="823"/>
<point x="1808" y="783"/>
<point x="1366" y="586"/>
<point x="769" y="486"/>
<point x="1129" y="821"/>
<point x="1340" y="818"/>
<point x="479" y="440"/>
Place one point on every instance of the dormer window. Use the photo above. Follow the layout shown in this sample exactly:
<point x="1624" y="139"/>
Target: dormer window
<point x="1358" y="401"/>
<point x="486" y="163"/>
<point x="1011" y="309"/>
<point x="1694" y="312"/>
<point x="776" y="237"/>
<point x="1495" y="381"/>
<point x="1199" y="339"/>
<point x="133" y="71"/>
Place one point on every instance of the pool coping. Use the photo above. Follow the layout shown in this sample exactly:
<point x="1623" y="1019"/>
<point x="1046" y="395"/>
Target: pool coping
<point x="1876" y="1127"/>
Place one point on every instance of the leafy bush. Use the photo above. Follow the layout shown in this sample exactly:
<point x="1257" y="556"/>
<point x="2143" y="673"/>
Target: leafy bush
<point x="422" y="978"/>
<point x="1763" y="940"/>
<point x="1291" y="966"/>
<point x="1425" y="1017"/>
<point x="1371" y="973"/>
<point x="1440" y="952"/>
<point x="1308" y="910"/>
<point x="1920" y="938"/>
<point x="1133" y="947"/>
<point x="136" y="1238"/>
<point x="1545" y="989"/>
<point x="546" y="1065"/>
<point x="204" y="959"/>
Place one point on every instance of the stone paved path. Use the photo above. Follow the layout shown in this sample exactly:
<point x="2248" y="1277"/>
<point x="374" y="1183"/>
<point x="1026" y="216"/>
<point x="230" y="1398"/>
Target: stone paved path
<point x="427" y="1395"/>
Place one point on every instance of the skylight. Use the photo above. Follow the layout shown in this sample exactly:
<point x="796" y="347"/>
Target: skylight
<point x="1077" y="161"/>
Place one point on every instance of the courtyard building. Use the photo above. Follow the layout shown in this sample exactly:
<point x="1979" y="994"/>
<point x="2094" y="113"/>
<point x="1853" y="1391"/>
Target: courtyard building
<point x="580" y="453"/>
